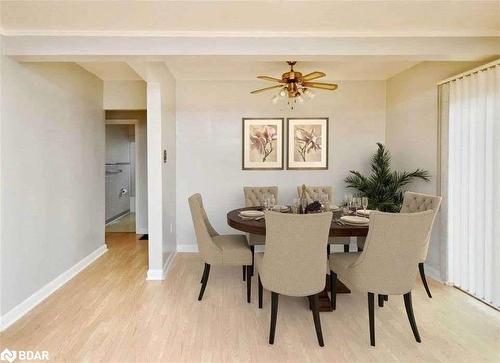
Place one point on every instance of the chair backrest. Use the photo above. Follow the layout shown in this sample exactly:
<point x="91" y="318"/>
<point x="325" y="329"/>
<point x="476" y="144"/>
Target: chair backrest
<point x="294" y="261"/>
<point x="209" y="251"/>
<point x="313" y="193"/>
<point x="395" y="241"/>
<point x="417" y="202"/>
<point x="254" y="195"/>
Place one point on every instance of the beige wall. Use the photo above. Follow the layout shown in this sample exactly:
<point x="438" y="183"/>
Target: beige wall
<point x="411" y="129"/>
<point x="52" y="182"/>
<point x="209" y="143"/>
<point x="124" y="95"/>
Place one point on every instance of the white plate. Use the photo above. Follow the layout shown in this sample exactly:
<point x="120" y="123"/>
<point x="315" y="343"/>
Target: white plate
<point x="354" y="220"/>
<point x="334" y="208"/>
<point x="365" y="213"/>
<point x="251" y="213"/>
<point x="280" y="208"/>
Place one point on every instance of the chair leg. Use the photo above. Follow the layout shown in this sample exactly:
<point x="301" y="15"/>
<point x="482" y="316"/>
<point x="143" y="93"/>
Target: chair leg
<point x="252" y="248"/>
<point x="346" y="248"/>
<point x="328" y="250"/>
<point x="317" y="322"/>
<point x="244" y="272"/>
<point x="204" y="280"/>
<point x="274" y="315"/>
<point x="386" y="297"/>
<point x="424" y="280"/>
<point x="333" y="289"/>
<point x="371" y="316"/>
<point x="260" y="291"/>
<point x="249" y="283"/>
<point x="381" y="301"/>
<point x="411" y="317"/>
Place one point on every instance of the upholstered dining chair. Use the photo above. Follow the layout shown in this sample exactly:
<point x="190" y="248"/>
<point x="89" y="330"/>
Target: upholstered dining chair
<point x="253" y="198"/>
<point x="294" y="261"/>
<point x="313" y="192"/>
<point x="216" y="249"/>
<point x="412" y="203"/>
<point x="388" y="263"/>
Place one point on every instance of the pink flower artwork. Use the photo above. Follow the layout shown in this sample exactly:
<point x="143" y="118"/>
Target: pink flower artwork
<point x="263" y="140"/>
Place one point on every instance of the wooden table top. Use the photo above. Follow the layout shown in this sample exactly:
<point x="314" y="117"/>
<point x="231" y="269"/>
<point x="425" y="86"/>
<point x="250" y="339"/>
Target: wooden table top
<point x="259" y="226"/>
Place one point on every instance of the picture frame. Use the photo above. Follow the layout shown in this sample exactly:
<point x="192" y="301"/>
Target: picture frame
<point x="307" y="143"/>
<point x="263" y="143"/>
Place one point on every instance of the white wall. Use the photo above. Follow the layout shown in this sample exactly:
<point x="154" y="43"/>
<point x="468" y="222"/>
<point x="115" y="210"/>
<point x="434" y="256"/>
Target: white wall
<point x="124" y="95"/>
<point x="412" y="129"/>
<point x="52" y="183"/>
<point x="209" y="146"/>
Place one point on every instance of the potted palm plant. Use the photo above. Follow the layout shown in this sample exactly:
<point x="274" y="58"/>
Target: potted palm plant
<point x="383" y="187"/>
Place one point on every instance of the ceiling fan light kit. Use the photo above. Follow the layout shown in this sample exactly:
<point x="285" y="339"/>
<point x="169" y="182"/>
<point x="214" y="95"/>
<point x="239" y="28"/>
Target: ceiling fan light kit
<point x="294" y="85"/>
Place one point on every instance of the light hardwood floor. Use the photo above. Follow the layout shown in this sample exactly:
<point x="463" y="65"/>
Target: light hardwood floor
<point x="110" y="313"/>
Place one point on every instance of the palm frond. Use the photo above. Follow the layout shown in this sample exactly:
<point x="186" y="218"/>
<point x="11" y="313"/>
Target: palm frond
<point x="383" y="187"/>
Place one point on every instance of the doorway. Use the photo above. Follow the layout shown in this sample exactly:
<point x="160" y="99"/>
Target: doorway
<point x="126" y="172"/>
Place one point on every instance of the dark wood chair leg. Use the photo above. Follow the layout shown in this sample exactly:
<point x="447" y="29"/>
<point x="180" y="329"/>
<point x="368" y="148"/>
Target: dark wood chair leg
<point x="274" y="315"/>
<point x="424" y="280"/>
<point x="244" y="272"/>
<point x="411" y="317"/>
<point x="317" y="322"/>
<point x="386" y="297"/>
<point x="381" y="301"/>
<point x="371" y="316"/>
<point x="204" y="280"/>
<point x="249" y="283"/>
<point x="260" y="291"/>
<point x="328" y="250"/>
<point x="333" y="289"/>
<point x="346" y="248"/>
<point x="360" y="249"/>
<point x="252" y="248"/>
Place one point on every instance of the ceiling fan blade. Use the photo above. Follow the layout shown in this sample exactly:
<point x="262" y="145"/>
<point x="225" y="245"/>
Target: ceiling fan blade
<point x="326" y="86"/>
<point x="272" y="79"/>
<point x="266" y="89"/>
<point x="313" y="75"/>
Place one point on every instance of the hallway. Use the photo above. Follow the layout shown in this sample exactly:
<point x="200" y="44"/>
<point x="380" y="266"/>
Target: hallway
<point x="110" y="313"/>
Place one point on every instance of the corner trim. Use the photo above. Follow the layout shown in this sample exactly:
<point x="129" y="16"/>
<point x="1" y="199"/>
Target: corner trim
<point x="161" y="274"/>
<point x="36" y="298"/>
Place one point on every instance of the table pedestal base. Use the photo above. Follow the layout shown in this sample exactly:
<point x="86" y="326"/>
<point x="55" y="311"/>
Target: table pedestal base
<point x="325" y="304"/>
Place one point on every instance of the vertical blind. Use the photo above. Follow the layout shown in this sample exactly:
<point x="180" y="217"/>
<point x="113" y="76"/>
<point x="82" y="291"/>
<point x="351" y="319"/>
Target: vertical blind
<point x="474" y="184"/>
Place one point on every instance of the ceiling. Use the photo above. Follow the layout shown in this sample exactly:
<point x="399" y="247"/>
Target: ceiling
<point x="111" y="71"/>
<point x="247" y="68"/>
<point x="309" y="18"/>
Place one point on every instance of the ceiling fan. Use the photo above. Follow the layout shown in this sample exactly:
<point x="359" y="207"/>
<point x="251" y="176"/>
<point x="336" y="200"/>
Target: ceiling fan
<point x="293" y="84"/>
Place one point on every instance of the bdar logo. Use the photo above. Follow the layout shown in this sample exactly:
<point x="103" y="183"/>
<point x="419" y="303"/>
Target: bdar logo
<point x="8" y="355"/>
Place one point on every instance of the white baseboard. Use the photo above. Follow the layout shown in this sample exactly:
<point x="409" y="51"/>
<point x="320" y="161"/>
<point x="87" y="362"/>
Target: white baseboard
<point x="187" y="248"/>
<point x="140" y="230"/>
<point x="432" y="272"/>
<point x="24" y="307"/>
<point x="161" y="274"/>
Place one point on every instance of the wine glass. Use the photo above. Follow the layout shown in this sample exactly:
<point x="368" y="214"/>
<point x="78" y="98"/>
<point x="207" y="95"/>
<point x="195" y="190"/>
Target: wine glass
<point x="348" y="198"/>
<point x="325" y="202"/>
<point x="296" y="206"/>
<point x="364" y="202"/>
<point x="272" y="201"/>
<point x="357" y="203"/>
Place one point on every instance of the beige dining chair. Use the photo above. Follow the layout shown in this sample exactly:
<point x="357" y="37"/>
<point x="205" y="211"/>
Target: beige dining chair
<point x="388" y="263"/>
<point x="412" y="203"/>
<point x="294" y="261"/>
<point x="313" y="193"/>
<point x="253" y="198"/>
<point x="216" y="249"/>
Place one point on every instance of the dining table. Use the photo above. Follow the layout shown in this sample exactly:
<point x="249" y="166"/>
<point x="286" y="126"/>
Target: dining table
<point x="337" y="229"/>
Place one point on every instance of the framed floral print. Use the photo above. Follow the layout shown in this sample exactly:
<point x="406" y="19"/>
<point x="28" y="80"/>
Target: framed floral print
<point x="263" y="143"/>
<point x="307" y="143"/>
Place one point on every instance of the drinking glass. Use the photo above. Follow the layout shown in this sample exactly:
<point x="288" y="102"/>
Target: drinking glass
<point x="296" y="206"/>
<point x="272" y="201"/>
<point x="348" y="198"/>
<point x="357" y="203"/>
<point x="364" y="202"/>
